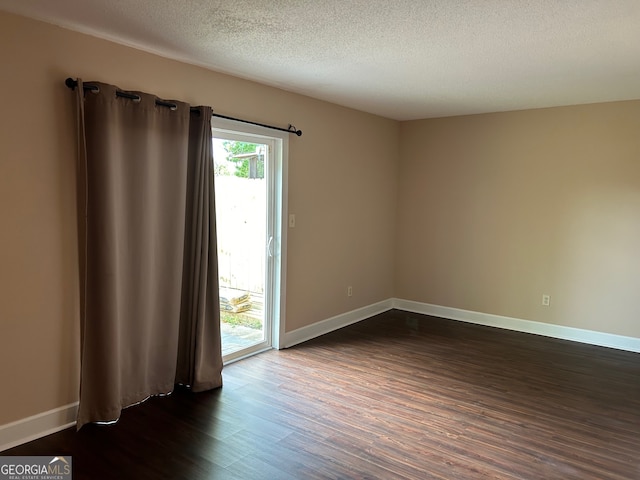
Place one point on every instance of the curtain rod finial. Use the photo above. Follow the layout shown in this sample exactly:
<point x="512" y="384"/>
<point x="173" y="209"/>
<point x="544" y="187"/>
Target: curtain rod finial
<point x="293" y="129"/>
<point x="71" y="83"/>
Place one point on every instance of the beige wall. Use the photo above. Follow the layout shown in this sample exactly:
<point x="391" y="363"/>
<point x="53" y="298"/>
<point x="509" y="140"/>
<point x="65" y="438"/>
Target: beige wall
<point x="495" y="210"/>
<point x="341" y="188"/>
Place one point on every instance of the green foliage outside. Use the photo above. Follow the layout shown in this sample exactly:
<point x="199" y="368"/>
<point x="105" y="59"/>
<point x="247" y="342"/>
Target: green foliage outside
<point x="242" y="164"/>
<point x="241" y="320"/>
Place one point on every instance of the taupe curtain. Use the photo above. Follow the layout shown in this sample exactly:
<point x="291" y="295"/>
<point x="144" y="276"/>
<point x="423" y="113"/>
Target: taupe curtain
<point x="199" y="340"/>
<point x="149" y="300"/>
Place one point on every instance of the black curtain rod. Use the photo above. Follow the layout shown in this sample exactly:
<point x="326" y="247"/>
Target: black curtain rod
<point x="72" y="84"/>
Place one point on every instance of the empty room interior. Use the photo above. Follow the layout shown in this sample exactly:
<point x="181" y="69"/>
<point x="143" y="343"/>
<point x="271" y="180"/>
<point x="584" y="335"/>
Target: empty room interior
<point x="460" y="237"/>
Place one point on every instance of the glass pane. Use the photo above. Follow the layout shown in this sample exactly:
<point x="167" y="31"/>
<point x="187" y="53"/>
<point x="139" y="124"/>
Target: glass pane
<point x="241" y="230"/>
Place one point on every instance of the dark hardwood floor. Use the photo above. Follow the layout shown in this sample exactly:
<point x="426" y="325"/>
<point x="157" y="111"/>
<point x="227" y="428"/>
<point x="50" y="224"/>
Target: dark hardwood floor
<point x="397" y="396"/>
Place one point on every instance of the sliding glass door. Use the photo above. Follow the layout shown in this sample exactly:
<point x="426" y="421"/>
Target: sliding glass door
<point x="248" y="221"/>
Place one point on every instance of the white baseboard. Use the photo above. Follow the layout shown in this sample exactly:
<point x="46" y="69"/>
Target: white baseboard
<point x="591" y="337"/>
<point x="330" y="324"/>
<point x="36" y="426"/>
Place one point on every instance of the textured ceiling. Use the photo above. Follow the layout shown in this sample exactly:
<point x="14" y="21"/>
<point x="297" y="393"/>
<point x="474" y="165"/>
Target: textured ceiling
<point x="399" y="59"/>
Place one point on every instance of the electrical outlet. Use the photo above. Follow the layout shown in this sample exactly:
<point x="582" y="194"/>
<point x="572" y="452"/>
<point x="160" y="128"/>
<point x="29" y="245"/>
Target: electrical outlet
<point x="349" y="291"/>
<point x="546" y="300"/>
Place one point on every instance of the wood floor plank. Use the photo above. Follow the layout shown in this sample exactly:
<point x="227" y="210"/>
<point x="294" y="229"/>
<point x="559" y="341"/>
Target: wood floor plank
<point x="399" y="395"/>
